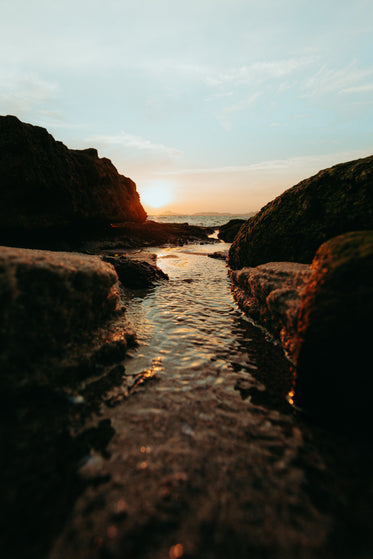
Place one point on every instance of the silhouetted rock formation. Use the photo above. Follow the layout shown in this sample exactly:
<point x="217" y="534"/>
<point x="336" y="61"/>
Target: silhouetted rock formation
<point x="228" y="231"/>
<point x="46" y="185"/>
<point x="295" y="224"/>
<point x="333" y="341"/>
<point x="135" y="235"/>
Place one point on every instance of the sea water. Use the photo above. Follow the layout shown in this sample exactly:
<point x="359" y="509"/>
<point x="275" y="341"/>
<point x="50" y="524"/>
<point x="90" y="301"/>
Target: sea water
<point x="203" y="220"/>
<point x="189" y="326"/>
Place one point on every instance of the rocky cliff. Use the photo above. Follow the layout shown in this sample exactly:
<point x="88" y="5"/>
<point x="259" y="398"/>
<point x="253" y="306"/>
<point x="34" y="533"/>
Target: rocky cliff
<point x="295" y="224"/>
<point x="44" y="184"/>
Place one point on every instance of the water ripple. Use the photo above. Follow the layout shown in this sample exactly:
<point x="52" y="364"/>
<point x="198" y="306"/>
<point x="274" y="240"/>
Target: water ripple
<point x="191" y="321"/>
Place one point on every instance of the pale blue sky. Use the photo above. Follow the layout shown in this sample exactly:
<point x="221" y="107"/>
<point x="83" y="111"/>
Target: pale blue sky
<point x="219" y="104"/>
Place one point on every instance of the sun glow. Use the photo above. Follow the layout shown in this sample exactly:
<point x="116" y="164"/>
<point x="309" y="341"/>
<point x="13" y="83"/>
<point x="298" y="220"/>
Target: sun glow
<point x="156" y="195"/>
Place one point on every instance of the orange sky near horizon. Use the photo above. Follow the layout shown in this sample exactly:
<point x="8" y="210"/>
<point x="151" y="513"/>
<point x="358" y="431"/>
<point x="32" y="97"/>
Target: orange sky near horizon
<point x="231" y="189"/>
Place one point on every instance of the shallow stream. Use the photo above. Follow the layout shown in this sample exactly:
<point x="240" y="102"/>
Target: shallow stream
<point x="206" y="459"/>
<point x="189" y="328"/>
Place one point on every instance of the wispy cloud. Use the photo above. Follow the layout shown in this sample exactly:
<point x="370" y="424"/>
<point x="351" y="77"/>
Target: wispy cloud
<point x="319" y="161"/>
<point x="348" y="79"/>
<point x="135" y="142"/>
<point x="258" y="72"/>
<point x="247" y="83"/>
<point x="358" y="88"/>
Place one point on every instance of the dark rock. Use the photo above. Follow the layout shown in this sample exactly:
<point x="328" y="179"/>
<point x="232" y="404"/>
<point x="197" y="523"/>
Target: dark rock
<point x="46" y="185"/>
<point x="99" y="238"/>
<point x="48" y="299"/>
<point x="295" y="224"/>
<point x="219" y="255"/>
<point x="228" y="231"/>
<point x="334" y="330"/>
<point x="111" y="352"/>
<point x="135" y="274"/>
<point x="270" y="295"/>
<point x="152" y="233"/>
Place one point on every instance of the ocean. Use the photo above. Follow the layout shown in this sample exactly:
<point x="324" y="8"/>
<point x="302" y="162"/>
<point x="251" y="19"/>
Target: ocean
<point x="203" y="220"/>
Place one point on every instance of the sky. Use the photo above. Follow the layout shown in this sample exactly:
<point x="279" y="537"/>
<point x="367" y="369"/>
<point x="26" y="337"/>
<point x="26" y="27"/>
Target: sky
<point x="208" y="105"/>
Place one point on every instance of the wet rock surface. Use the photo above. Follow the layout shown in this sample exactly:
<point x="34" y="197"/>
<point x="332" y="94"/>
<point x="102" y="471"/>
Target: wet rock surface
<point x="219" y="254"/>
<point x="292" y="227"/>
<point x="321" y="314"/>
<point x="334" y="329"/>
<point x="271" y="295"/>
<point x="134" y="273"/>
<point x="46" y="185"/>
<point x="184" y="447"/>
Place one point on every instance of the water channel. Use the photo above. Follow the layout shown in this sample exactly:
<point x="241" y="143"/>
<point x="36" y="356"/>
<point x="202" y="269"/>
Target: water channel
<point x="207" y="460"/>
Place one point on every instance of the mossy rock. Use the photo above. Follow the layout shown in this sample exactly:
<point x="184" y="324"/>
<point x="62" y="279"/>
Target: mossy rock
<point x="295" y="224"/>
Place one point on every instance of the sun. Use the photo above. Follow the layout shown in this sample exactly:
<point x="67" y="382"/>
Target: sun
<point x="156" y="195"/>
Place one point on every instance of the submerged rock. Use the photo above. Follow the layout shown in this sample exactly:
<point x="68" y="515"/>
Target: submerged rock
<point x="295" y="224"/>
<point x="134" y="273"/>
<point x="219" y="255"/>
<point x="333" y="341"/>
<point x="49" y="299"/>
<point x="46" y="185"/>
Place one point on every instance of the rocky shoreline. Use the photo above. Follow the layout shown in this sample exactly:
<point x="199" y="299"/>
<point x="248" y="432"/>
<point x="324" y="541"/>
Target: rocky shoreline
<point x="316" y="300"/>
<point x="301" y="273"/>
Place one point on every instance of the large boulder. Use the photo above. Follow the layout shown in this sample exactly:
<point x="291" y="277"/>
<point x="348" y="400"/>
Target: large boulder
<point x="322" y="315"/>
<point x="44" y="184"/>
<point x="48" y="300"/>
<point x="334" y="337"/>
<point x="295" y="224"/>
